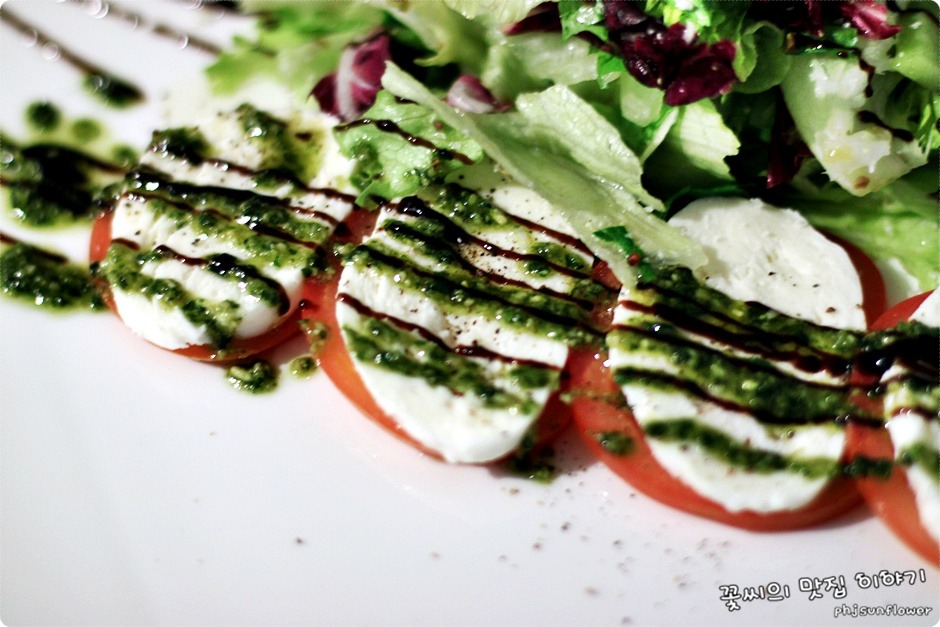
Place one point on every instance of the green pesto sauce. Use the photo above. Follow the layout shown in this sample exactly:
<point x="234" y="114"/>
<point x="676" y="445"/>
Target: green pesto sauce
<point x="382" y="345"/>
<point x="46" y="280"/>
<point x="476" y="214"/>
<point x="717" y="444"/>
<point x="121" y="267"/>
<point x="468" y="209"/>
<point x="186" y="143"/>
<point x="615" y="442"/>
<point x="560" y="256"/>
<point x="679" y="289"/>
<point x="298" y="154"/>
<point x="861" y="466"/>
<point x="86" y="130"/>
<point x="251" y="209"/>
<point x="535" y="467"/>
<point x="741" y="381"/>
<point x="258" y="377"/>
<point x="62" y="174"/>
<point x="123" y="155"/>
<point x="49" y="184"/>
<point x="923" y="455"/>
<point x="456" y="297"/>
<point x="44" y="117"/>
<point x="316" y="333"/>
<point x="449" y="268"/>
<point x="533" y="377"/>
<point x="113" y="91"/>
<point x="302" y="366"/>
<point x="263" y="250"/>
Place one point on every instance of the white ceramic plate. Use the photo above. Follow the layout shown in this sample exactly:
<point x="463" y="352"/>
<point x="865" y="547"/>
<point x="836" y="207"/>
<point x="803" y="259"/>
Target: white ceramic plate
<point x="139" y="488"/>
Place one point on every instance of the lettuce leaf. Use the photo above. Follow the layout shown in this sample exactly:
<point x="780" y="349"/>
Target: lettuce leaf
<point x="297" y="43"/>
<point x="451" y="37"/>
<point x="899" y="225"/>
<point x="694" y="151"/>
<point x="580" y="166"/>
<point x="864" y="142"/>
<point x="497" y="12"/>
<point x="401" y="148"/>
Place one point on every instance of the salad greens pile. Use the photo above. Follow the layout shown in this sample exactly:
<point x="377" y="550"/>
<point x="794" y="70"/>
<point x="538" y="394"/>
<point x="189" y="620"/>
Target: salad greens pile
<point x="620" y="112"/>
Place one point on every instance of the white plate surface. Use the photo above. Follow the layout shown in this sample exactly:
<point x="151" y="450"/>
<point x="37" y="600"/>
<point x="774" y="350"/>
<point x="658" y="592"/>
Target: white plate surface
<point x="139" y="488"/>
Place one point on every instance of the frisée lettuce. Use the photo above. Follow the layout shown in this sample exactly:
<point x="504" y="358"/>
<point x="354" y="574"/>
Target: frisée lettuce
<point x="614" y="110"/>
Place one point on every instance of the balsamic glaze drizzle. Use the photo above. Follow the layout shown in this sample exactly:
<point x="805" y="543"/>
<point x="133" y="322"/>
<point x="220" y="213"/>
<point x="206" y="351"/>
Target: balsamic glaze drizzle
<point x="466" y="351"/>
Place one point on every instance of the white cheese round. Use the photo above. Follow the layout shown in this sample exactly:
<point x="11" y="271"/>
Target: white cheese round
<point x="760" y="253"/>
<point x="757" y="252"/>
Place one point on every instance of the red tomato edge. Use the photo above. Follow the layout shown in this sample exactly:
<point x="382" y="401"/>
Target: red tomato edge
<point x="874" y="294"/>
<point x="592" y="382"/>
<point x="892" y="499"/>
<point x="334" y="359"/>
<point x="239" y="349"/>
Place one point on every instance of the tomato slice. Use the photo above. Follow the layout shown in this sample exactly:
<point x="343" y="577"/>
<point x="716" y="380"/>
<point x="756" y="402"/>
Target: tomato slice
<point x="239" y="349"/>
<point x="320" y="305"/>
<point x="900" y="312"/>
<point x="611" y="432"/>
<point x="874" y="295"/>
<point x="892" y="499"/>
<point x="601" y="416"/>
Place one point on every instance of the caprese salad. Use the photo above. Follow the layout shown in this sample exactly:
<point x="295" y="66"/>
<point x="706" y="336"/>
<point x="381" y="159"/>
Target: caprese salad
<point x="497" y="219"/>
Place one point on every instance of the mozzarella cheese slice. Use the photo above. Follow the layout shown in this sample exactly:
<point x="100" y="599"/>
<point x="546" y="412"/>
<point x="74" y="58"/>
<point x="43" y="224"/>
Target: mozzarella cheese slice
<point x="459" y="315"/>
<point x="215" y="231"/>
<point x="700" y="383"/>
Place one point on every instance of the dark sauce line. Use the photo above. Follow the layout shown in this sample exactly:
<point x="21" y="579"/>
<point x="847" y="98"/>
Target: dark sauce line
<point x="85" y="67"/>
<point x="454" y="234"/>
<point x="820" y="362"/>
<point x="184" y="190"/>
<point x="868" y="117"/>
<point x="76" y="155"/>
<point x="414" y="206"/>
<point x="224" y="264"/>
<point x="918" y="411"/>
<point x="535" y="312"/>
<point x="388" y="126"/>
<point x="109" y="9"/>
<point x="914" y="369"/>
<point x="743" y="362"/>
<point x="9" y="240"/>
<point x="298" y="185"/>
<point x="261" y="229"/>
<point x="465" y="351"/>
<point x="224" y="6"/>
<point x="487" y="275"/>
<point x="693" y="389"/>
<point x="833" y="360"/>
<point x="563" y="238"/>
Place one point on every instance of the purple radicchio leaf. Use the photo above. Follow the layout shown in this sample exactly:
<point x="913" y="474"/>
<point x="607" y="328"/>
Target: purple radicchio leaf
<point x="803" y="16"/>
<point x="787" y="149"/>
<point x="869" y="18"/>
<point x="468" y="94"/>
<point x="543" y="18"/>
<point x="351" y="89"/>
<point x="810" y="17"/>
<point x="670" y="58"/>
